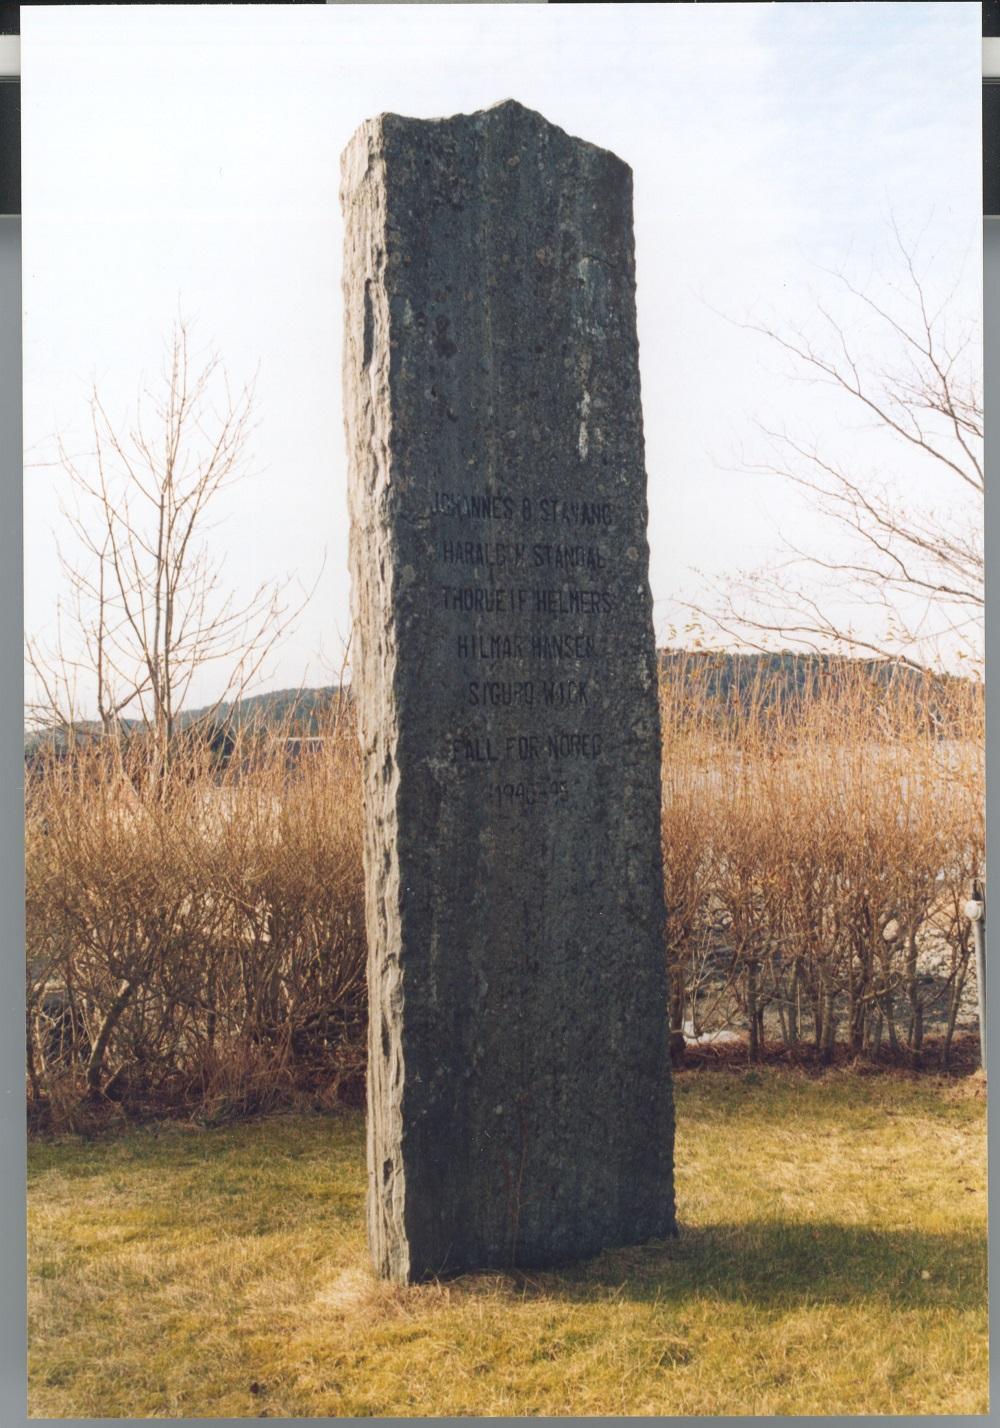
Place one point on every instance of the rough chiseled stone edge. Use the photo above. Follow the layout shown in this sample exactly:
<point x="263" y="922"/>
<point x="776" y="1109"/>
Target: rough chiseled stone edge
<point x="367" y="419"/>
<point x="534" y="115"/>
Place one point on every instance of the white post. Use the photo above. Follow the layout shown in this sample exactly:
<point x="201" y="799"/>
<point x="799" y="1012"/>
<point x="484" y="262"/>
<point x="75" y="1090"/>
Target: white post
<point x="975" y="911"/>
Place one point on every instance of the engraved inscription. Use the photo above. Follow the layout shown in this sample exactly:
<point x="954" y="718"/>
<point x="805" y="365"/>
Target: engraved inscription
<point x="519" y="647"/>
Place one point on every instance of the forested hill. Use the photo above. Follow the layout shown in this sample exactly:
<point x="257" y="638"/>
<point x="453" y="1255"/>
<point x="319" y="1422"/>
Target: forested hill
<point x="304" y="709"/>
<point x="766" y="680"/>
<point x="784" y="677"/>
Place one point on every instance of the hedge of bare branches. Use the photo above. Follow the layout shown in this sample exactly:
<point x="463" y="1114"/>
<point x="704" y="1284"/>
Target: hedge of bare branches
<point x="196" y="933"/>
<point x="819" y="850"/>
<point x="195" y="938"/>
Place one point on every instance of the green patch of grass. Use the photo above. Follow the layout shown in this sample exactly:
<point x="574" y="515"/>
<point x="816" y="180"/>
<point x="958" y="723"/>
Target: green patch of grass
<point x="832" y="1259"/>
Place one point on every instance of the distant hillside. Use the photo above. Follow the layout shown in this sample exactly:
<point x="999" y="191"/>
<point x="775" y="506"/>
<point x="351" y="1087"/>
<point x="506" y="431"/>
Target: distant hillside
<point x="769" y="680"/>
<point x="787" y="679"/>
<point x="303" y="709"/>
<point x="782" y="674"/>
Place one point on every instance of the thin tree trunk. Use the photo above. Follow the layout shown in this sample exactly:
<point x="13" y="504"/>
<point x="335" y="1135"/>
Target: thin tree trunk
<point x="914" y="1031"/>
<point x="877" y="1019"/>
<point x="829" y="1027"/>
<point x="890" y="1020"/>
<point x="793" y="1005"/>
<point x="954" y="1003"/>
<point x="95" y="1062"/>
<point x="784" y="1017"/>
<point x="817" y="1002"/>
<point x="36" y="1089"/>
<point x="753" y="1025"/>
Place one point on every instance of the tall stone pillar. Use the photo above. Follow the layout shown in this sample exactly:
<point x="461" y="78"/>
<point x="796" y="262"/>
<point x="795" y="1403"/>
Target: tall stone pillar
<point x="519" y="1098"/>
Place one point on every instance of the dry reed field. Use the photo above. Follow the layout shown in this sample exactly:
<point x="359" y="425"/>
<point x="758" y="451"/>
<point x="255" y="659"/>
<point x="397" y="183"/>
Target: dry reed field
<point x="196" y="933"/>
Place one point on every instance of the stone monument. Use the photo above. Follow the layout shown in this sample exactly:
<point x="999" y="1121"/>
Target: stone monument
<point x="519" y="1097"/>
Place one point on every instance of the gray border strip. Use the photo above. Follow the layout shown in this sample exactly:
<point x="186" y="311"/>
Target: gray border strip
<point x="13" y="1382"/>
<point x="991" y="404"/>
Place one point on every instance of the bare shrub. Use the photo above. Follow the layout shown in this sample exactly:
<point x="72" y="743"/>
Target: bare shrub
<point x="197" y="942"/>
<point x="819" y="846"/>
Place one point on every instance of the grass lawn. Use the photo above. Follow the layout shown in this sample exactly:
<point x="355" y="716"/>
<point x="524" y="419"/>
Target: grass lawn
<point x="832" y="1260"/>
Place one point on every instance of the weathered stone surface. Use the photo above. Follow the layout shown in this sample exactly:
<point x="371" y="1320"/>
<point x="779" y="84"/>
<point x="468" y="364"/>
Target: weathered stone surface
<point x="520" y="1105"/>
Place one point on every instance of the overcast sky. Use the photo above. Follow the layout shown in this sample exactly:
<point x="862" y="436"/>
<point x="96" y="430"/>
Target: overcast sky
<point x="178" y="156"/>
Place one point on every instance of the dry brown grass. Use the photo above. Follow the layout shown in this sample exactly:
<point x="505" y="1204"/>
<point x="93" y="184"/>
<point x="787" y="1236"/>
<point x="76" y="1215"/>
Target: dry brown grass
<point x="832" y="1259"/>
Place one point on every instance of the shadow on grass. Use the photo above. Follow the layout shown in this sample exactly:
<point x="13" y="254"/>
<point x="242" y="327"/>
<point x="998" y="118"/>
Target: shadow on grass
<point x="781" y="1264"/>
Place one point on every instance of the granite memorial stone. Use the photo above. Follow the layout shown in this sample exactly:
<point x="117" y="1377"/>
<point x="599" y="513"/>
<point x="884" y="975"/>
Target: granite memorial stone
<point x="519" y="1096"/>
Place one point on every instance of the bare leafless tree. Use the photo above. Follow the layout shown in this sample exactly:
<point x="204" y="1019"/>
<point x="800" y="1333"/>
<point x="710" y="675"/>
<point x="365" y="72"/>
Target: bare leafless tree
<point x="918" y="562"/>
<point x="147" y="606"/>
